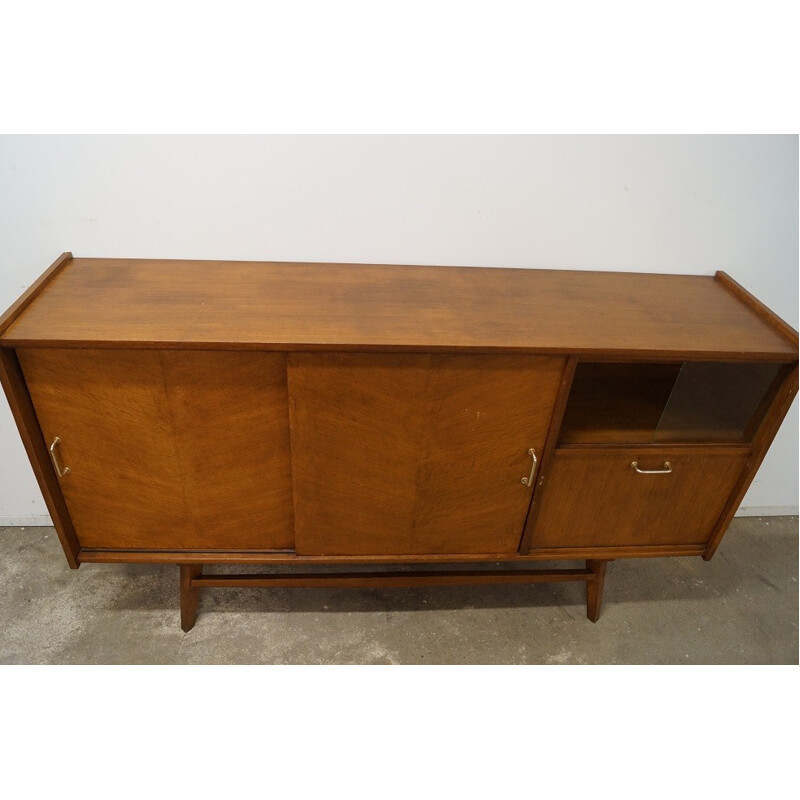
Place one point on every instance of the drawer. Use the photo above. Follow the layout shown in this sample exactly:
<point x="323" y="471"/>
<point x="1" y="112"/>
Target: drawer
<point x="596" y="497"/>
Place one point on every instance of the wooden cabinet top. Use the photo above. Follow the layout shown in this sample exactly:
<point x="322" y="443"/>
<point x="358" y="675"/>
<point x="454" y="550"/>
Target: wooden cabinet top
<point x="274" y="305"/>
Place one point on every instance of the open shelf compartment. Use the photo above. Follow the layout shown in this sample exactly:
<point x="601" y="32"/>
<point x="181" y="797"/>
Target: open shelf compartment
<point x="687" y="402"/>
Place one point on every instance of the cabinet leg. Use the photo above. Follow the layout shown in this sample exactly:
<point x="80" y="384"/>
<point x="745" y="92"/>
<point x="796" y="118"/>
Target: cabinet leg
<point x="594" y="588"/>
<point x="189" y="594"/>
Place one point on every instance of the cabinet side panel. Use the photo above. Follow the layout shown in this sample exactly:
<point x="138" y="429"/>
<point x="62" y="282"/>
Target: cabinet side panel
<point x="765" y="434"/>
<point x="28" y="424"/>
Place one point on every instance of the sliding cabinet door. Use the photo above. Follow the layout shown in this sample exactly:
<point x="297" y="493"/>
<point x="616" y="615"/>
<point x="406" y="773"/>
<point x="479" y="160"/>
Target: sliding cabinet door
<point x="168" y="450"/>
<point x="412" y="454"/>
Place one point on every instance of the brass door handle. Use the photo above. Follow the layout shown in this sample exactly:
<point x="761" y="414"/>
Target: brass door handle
<point x="60" y="472"/>
<point x="666" y="471"/>
<point x="529" y="480"/>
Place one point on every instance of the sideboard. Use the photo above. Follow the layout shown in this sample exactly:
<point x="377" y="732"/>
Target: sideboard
<point x="210" y="412"/>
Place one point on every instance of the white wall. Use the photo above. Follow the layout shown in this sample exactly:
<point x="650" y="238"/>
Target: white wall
<point x="683" y="204"/>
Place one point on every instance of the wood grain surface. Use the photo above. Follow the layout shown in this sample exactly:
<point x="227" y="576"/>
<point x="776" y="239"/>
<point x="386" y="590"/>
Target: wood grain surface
<point x="758" y="307"/>
<point x="595" y="499"/>
<point x="276" y="558"/>
<point x="404" y="454"/>
<point x="22" y="409"/>
<point x="33" y="291"/>
<point x="168" y="449"/>
<point x="556" y="425"/>
<point x="616" y="403"/>
<point x="116" y="302"/>
<point x="765" y="434"/>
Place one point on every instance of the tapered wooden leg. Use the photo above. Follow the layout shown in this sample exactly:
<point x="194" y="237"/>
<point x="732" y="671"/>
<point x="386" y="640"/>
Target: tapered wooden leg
<point x="189" y="594"/>
<point x="594" y="588"/>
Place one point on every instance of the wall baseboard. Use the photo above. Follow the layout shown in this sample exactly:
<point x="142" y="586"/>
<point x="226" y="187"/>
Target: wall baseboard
<point x="767" y="511"/>
<point x="42" y="520"/>
<point x="745" y="511"/>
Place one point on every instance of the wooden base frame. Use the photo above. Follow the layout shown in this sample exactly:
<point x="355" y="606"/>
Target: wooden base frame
<point x="193" y="580"/>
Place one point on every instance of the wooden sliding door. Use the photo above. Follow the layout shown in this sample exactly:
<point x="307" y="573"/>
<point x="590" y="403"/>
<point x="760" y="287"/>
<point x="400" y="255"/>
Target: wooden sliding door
<point x="166" y="450"/>
<point x="412" y="454"/>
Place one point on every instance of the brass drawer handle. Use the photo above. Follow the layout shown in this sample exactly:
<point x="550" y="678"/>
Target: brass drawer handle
<point x="666" y="471"/>
<point x="529" y="480"/>
<point x="60" y="472"/>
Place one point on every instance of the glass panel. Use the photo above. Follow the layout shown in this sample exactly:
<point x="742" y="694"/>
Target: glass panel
<point x="716" y="402"/>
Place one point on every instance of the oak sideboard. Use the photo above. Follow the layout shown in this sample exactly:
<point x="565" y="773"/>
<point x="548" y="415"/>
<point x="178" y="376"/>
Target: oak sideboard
<point x="210" y="412"/>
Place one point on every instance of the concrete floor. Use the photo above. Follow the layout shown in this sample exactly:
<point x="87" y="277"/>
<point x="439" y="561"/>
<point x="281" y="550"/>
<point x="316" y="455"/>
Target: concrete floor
<point x="742" y="607"/>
